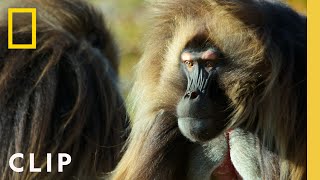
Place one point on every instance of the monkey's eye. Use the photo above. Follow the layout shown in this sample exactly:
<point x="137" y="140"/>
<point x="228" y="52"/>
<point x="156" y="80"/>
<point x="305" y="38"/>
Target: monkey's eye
<point x="188" y="63"/>
<point x="209" y="65"/>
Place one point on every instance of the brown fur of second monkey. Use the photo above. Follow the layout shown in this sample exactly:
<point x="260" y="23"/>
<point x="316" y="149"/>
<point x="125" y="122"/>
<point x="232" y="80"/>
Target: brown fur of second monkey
<point x="61" y="97"/>
<point x="265" y="80"/>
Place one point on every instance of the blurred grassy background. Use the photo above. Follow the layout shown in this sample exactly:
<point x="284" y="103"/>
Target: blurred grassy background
<point x="127" y="22"/>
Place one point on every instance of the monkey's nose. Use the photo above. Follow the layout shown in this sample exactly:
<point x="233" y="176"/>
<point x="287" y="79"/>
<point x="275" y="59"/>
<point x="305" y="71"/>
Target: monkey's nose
<point x="191" y="95"/>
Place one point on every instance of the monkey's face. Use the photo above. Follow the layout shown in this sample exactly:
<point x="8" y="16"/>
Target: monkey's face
<point x="203" y="110"/>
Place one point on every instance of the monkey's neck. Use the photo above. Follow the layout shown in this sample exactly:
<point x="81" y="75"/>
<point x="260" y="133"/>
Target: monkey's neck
<point x="226" y="170"/>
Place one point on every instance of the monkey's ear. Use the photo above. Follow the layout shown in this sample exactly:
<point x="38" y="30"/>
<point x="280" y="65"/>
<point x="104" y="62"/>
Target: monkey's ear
<point x="250" y="12"/>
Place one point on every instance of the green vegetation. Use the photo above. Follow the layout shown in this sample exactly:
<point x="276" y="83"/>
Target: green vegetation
<point x="125" y="19"/>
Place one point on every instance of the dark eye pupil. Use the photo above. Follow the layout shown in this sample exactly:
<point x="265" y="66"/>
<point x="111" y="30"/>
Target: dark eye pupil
<point x="209" y="64"/>
<point x="188" y="63"/>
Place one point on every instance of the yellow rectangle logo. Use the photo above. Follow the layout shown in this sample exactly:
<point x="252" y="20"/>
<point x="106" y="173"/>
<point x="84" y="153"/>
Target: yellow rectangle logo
<point x="33" y="12"/>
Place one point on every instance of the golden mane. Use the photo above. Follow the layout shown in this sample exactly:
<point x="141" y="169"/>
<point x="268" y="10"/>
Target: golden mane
<point x="262" y="35"/>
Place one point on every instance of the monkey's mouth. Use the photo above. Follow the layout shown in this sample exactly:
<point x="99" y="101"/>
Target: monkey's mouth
<point x="196" y="129"/>
<point x="226" y="170"/>
<point x="199" y="129"/>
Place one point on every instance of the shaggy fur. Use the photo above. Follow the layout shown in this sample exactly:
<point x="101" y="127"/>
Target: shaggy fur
<point x="264" y="43"/>
<point x="62" y="96"/>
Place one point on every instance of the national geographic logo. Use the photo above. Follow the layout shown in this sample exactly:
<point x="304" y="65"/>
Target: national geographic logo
<point x="33" y="12"/>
